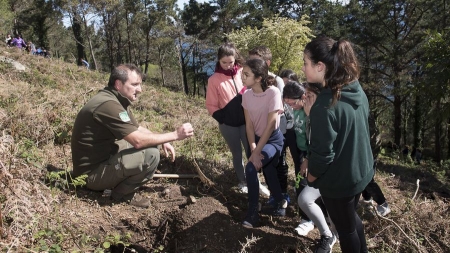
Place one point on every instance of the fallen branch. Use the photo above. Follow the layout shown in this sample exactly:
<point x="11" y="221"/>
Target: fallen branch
<point x="1" y="224"/>
<point x="175" y="175"/>
<point x="248" y="243"/>
<point x="419" y="249"/>
<point x="202" y="176"/>
<point x="417" y="189"/>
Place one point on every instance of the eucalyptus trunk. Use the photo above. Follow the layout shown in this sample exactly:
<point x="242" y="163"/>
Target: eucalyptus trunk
<point x="397" y="119"/>
<point x="438" y="134"/>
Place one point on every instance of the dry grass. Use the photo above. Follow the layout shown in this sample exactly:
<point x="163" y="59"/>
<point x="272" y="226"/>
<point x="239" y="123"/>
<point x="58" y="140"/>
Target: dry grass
<point x="37" y="109"/>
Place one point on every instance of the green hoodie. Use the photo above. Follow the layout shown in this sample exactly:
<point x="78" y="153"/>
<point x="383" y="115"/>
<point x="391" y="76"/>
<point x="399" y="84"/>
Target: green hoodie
<point x="339" y="154"/>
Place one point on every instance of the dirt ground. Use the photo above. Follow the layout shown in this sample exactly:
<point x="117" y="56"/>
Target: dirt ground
<point x="186" y="216"/>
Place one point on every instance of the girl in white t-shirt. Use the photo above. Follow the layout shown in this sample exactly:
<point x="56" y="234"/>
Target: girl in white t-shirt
<point x="262" y="107"/>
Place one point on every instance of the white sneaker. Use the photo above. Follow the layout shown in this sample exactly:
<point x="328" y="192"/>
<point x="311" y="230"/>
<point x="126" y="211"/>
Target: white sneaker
<point x="383" y="209"/>
<point x="263" y="190"/>
<point x="367" y="202"/>
<point x="304" y="227"/>
<point x="242" y="188"/>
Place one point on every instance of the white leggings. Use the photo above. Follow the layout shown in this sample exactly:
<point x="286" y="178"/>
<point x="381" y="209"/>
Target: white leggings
<point x="307" y="202"/>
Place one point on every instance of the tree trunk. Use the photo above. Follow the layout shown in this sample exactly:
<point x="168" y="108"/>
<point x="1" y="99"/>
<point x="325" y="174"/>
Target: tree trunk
<point x="448" y="139"/>
<point x="109" y="41"/>
<point x="76" y="28"/>
<point x="128" y="37"/>
<point x="185" y="83"/>
<point x="397" y="119"/>
<point x="119" y="45"/>
<point x="180" y="64"/>
<point x="194" y="54"/>
<point x="91" y="50"/>
<point x="147" y="49"/>
<point x="437" y="134"/>
<point x="405" y="122"/>
<point x="161" y="67"/>
<point x="92" y="53"/>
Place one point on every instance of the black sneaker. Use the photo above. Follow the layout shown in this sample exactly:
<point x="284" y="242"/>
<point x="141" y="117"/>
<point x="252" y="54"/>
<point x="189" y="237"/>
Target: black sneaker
<point x="271" y="201"/>
<point x="251" y="220"/>
<point x="325" y="244"/>
<point x="277" y="210"/>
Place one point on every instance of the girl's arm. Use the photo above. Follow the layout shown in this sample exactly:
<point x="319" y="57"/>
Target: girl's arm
<point x="212" y="97"/>
<point x="256" y="156"/>
<point x="249" y="131"/>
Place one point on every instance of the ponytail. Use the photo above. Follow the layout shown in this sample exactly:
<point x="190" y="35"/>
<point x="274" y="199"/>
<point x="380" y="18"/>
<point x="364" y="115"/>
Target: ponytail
<point x="340" y="60"/>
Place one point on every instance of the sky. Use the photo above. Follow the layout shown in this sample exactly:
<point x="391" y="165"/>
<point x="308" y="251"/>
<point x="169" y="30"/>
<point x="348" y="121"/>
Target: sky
<point x="181" y="3"/>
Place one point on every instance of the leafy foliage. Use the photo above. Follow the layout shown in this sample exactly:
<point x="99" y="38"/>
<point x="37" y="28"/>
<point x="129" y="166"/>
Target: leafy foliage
<point x="285" y="37"/>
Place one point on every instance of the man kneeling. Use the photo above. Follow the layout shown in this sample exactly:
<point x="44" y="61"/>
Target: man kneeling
<point x="111" y="148"/>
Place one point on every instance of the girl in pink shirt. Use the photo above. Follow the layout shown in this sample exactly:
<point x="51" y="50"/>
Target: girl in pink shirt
<point x="223" y="86"/>
<point x="262" y="105"/>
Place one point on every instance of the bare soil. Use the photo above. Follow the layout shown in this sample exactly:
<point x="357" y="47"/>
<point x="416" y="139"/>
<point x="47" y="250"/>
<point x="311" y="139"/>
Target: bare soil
<point x="40" y="213"/>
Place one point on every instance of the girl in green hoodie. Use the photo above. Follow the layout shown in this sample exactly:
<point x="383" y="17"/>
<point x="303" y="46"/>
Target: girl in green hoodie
<point x="340" y="158"/>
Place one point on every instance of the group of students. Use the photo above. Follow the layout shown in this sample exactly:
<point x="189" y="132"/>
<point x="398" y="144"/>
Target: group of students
<point x="20" y="43"/>
<point x="416" y="154"/>
<point x="324" y="122"/>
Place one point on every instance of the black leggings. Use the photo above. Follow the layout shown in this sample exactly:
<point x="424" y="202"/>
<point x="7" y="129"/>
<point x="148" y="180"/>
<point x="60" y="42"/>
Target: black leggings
<point x="282" y="168"/>
<point x="373" y="190"/>
<point x="347" y="222"/>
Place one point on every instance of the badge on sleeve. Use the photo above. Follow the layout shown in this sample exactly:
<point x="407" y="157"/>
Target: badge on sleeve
<point x="124" y="116"/>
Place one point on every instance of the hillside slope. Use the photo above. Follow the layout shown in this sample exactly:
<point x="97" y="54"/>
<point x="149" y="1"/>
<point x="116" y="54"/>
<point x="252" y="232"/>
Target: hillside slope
<point x="42" y="212"/>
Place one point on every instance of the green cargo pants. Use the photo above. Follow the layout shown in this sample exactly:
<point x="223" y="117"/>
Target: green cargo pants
<point x="125" y="172"/>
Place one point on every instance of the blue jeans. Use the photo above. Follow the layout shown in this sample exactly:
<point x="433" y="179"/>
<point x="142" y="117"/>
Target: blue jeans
<point x="271" y="152"/>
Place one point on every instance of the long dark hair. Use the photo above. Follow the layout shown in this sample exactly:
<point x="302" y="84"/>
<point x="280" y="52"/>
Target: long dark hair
<point x="289" y="74"/>
<point x="293" y="90"/>
<point x="340" y="60"/>
<point x="313" y="87"/>
<point x="259" y="68"/>
<point x="228" y="49"/>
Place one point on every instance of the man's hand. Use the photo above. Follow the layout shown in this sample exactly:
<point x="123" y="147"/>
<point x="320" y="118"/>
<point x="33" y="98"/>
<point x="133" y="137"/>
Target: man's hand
<point x="167" y="147"/>
<point x="184" y="131"/>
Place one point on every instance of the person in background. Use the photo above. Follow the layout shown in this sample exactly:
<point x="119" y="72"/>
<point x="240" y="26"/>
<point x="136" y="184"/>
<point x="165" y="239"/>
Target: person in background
<point x="289" y="138"/>
<point x="19" y="42"/>
<point x="85" y="63"/>
<point x="295" y="95"/>
<point x="224" y="86"/>
<point x="262" y="105"/>
<point x="8" y="40"/>
<point x="340" y="161"/>
<point x="31" y="48"/>
<point x="418" y="155"/>
<point x="405" y="153"/>
<point x="264" y="53"/>
<point x="39" y="51"/>
<point x="373" y="190"/>
<point x="110" y="147"/>
<point x="288" y="75"/>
